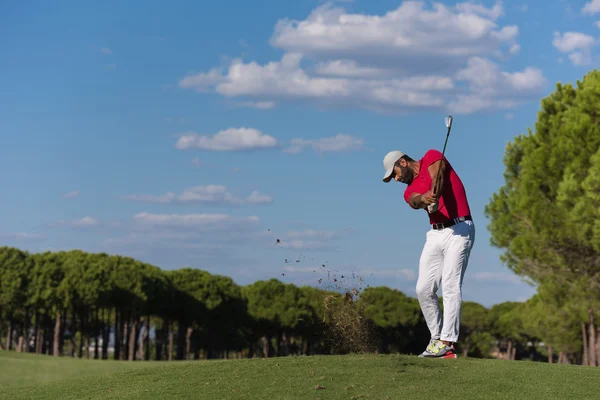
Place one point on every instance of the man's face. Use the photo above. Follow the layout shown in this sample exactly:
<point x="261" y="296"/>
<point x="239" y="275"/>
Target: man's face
<point x="402" y="173"/>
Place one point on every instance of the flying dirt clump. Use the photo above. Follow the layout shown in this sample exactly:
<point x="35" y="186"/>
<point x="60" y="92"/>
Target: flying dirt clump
<point x="347" y="328"/>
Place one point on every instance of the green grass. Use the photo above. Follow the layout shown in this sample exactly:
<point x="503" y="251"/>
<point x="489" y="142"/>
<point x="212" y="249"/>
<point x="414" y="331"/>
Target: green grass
<point x="20" y="369"/>
<point x="339" y="377"/>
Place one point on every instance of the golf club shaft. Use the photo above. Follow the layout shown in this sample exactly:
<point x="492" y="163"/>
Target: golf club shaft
<point x="437" y="175"/>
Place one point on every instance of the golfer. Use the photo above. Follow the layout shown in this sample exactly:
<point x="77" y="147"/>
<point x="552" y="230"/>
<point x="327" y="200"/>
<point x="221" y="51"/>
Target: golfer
<point x="448" y="243"/>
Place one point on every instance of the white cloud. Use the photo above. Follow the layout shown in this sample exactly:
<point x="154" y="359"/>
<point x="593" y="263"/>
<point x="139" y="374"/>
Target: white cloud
<point x="106" y="50"/>
<point x="82" y="222"/>
<point x="72" y="194"/>
<point x="301" y="270"/>
<point x="85" y="221"/>
<point x="258" y="198"/>
<point x="406" y="34"/>
<point x="570" y="41"/>
<point x="219" y="242"/>
<point x="580" y="58"/>
<point x="578" y="46"/>
<point x="492" y="88"/>
<point x="336" y="143"/>
<point x="591" y="7"/>
<point x="208" y="194"/>
<point x="165" y="198"/>
<point x="471" y="8"/>
<point x="232" y="139"/>
<point x="597" y="23"/>
<point x="408" y="274"/>
<point x="306" y="239"/>
<point x="485" y="75"/>
<point x="23" y="236"/>
<point x="240" y="139"/>
<point x="349" y="68"/>
<point x="189" y="220"/>
<point x="496" y="277"/>
<point x="403" y="60"/>
<point x="310" y="233"/>
<point x="286" y="80"/>
<point x="283" y="78"/>
<point x="260" y="105"/>
<point x="213" y="240"/>
<point x="299" y="244"/>
<point x="209" y="234"/>
<point x="202" y="82"/>
<point x="404" y="274"/>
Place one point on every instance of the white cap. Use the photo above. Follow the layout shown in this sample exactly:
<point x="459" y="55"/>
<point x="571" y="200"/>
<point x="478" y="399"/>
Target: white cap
<point x="388" y="163"/>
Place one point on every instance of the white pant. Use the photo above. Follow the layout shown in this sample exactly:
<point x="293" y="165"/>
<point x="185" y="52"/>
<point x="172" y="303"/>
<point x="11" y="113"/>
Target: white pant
<point x="444" y="260"/>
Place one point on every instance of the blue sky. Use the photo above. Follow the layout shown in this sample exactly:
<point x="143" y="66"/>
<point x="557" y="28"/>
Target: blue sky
<point x="197" y="134"/>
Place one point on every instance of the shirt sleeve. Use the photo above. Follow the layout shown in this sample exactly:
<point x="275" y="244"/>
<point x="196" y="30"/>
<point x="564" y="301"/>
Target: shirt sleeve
<point x="407" y="194"/>
<point x="431" y="156"/>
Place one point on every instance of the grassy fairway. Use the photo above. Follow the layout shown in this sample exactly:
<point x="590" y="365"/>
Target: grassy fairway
<point x="20" y="369"/>
<point x="326" y="377"/>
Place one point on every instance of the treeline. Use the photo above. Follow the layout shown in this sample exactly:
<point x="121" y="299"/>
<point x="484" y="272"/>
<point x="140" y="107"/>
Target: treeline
<point x="76" y="304"/>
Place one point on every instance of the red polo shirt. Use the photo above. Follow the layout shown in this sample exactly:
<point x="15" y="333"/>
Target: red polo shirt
<point x="453" y="201"/>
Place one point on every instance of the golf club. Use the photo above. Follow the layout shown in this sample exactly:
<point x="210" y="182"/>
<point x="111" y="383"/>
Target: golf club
<point x="448" y="120"/>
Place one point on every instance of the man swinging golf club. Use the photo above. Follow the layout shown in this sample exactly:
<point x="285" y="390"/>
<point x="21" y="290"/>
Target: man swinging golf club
<point x="448" y="243"/>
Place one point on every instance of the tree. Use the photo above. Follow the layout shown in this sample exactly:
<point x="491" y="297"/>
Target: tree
<point x="398" y="319"/>
<point x="312" y="328"/>
<point x="550" y="316"/>
<point x="507" y="328"/>
<point x="15" y="268"/>
<point x="212" y="315"/>
<point x="475" y="324"/>
<point x="47" y="276"/>
<point x="546" y="216"/>
<point x="277" y="309"/>
<point x="543" y="217"/>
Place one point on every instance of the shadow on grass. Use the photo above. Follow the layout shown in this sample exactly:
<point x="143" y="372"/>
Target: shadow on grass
<point x="421" y="363"/>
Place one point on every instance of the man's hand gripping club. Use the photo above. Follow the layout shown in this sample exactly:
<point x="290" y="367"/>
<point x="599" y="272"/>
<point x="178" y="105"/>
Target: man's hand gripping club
<point x="425" y="200"/>
<point x="436" y="171"/>
<point x="429" y="199"/>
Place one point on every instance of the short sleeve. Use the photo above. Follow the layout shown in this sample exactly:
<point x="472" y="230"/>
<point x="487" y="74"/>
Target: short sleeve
<point x="407" y="193"/>
<point x="431" y="156"/>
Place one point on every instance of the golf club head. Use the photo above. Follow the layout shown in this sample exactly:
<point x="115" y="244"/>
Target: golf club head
<point x="448" y="121"/>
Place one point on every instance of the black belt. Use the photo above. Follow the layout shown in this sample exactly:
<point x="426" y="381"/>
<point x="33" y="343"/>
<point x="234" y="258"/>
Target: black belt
<point x="442" y="225"/>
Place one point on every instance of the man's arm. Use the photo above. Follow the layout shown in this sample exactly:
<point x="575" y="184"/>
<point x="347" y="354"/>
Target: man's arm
<point x="433" y="170"/>
<point x="416" y="201"/>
